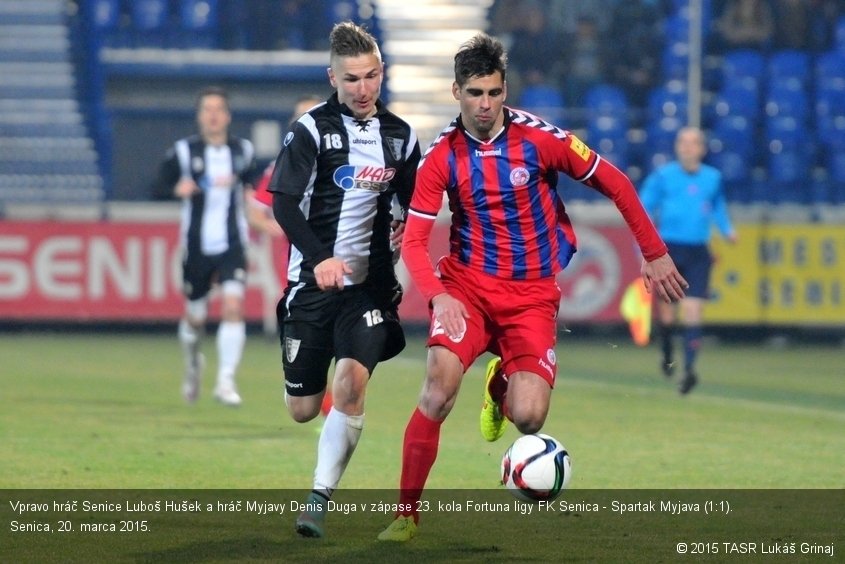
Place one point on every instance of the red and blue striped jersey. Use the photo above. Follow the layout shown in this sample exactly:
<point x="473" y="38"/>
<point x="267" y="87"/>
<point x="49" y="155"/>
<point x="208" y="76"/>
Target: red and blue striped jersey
<point x="507" y="217"/>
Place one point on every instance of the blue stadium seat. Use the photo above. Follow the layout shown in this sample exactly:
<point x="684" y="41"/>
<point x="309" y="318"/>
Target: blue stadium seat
<point x="675" y="61"/>
<point x="544" y="101"/>
<point x="790" y="157"/>
<point x="150" y="21"/>
<point x="839" y="34"/>
<point x="733" y="133"/>
<point x="830" y="71"/>
<point x="667" y="101"/>
<point x="789" y="68"/>
<point x="743" y="65"/>
<point x="735" y="170"/>
<point x="199" y="22"/>
<point x="782" y="101"/>
<point x="606" y="99"/>
<point x="736" y="100"/>
<point x="611" y="142"/>
<point x="830" y="113"/>
<point x="106" y="17"/>
<point x="834" y="161"/>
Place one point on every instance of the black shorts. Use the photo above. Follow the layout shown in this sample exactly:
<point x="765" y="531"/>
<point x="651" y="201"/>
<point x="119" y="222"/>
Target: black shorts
<point x="694" y="263"/>
<point x="359" y="322"/>
<point x="200" y="271"/>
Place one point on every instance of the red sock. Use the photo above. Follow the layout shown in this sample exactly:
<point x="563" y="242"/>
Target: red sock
<point x="419" y="451"/>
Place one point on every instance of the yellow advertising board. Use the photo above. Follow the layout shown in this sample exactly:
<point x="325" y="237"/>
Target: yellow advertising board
<point x="779" y="274"/>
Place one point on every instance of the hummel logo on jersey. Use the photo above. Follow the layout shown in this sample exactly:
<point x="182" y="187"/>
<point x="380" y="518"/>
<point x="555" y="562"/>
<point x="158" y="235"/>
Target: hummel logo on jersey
<point x="364" y="178"/>
<point x="489" y="153"/>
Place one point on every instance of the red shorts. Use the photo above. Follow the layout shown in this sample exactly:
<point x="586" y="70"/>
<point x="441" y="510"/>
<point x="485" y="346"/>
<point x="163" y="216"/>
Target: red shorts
<point x="515" y="319"/>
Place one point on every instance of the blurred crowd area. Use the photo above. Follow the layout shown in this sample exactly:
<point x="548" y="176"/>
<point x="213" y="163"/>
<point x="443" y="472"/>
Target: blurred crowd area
<point x="616" y="72"/>
<point x="772" y="74"/>
<point x="571" y="45"/>
<point x="264" y="25"/>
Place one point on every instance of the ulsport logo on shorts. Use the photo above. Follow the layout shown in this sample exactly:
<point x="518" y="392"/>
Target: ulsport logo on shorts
<point x="364" y="178"/>
<point x="293" y="384"/>
<point x="292" y="348"/>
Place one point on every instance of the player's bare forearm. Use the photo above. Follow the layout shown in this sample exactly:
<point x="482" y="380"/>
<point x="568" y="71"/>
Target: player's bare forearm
<point x="661" y="277"/>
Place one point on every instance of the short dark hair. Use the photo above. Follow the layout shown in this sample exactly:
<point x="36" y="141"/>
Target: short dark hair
<point x="212" y="91"/>
<point x="480" y="56"/>
<point x="348" y="39"/>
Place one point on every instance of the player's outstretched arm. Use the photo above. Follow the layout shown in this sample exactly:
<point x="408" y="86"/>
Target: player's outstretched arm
<point x="662" y="277"/>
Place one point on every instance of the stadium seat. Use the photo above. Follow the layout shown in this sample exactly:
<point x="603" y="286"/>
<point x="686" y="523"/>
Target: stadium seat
<point x="830" y="71"/>
<point x="734" y="134"/>
<point x="839" y="34"/>
<point x="544" y="101"/>
<point x="743" y="65"/>
<point x="782" y="101"/>
<point x="735" y="170"/>
<point x="606" y="100"/>
<point x="610" y="143"/>
<point x="790" y="156"/>
<point x="675" y="61"/>
<point x="150" y="22"/>
<point x="789" y="68"/>
<point x="106" y="17"/>
<point x="199" y="21"/>
<point x="667" y="101"/>
<point x="736" y="100"/>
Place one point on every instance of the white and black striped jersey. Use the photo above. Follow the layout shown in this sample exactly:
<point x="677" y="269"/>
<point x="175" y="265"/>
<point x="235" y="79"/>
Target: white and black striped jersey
<point x="213" y="220"/>
<point x="344" y="174"/>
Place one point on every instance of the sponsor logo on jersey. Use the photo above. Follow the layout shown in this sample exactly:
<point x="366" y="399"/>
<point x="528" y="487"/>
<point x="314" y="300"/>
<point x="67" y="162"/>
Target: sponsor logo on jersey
<point x="288" y="138"/>
<point x="488" y="153"/>
<point x="519" y="176"/>
<point x="363" y="178"/>
<point x="359" y="141"/>
<point x="579" y="148"/>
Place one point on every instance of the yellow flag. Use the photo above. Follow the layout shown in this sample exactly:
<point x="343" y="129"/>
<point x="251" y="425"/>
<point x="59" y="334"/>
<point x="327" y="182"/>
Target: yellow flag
<point x="635" y="308"/>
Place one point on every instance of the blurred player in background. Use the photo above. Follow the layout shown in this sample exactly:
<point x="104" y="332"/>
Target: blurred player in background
<point x="496" y="291"/>
<point x="209" y="172"/>
<point x="260" y="210"/>
<point x="336" y="176"/>
<point x="684" y="197"/>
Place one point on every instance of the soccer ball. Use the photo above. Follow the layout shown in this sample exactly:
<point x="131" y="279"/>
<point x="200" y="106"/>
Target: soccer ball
<point x="536" y="467"/>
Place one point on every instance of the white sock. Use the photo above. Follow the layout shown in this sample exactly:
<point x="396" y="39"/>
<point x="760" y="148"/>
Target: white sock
<point x="231" y="336"/>
<point x="338" y="440"/>
<point x="189" y="338"/>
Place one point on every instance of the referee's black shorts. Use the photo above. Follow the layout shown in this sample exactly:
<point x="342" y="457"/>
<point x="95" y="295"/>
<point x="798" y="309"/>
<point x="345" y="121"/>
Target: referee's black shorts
<point x="694" y="262"/>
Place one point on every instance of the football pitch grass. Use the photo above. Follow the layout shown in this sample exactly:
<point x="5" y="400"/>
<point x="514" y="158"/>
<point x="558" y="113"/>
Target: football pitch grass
<point x="99" y="416"/>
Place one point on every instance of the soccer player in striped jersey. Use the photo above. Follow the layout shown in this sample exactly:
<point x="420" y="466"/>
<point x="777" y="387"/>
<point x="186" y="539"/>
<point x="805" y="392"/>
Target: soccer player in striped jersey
<point x="210" y="172"/>
<point x="496" y="290"/>
<point x="342" y="164"/>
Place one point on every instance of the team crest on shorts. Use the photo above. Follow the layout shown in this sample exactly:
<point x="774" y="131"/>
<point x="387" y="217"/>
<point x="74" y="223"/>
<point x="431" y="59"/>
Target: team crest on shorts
<point x="519" y="176"/>
<point x="550" y="355"/>
<point x="292" y="348"/>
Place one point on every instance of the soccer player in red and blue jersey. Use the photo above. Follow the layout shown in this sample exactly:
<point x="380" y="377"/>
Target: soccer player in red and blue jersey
<point x="496" y="291"/>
